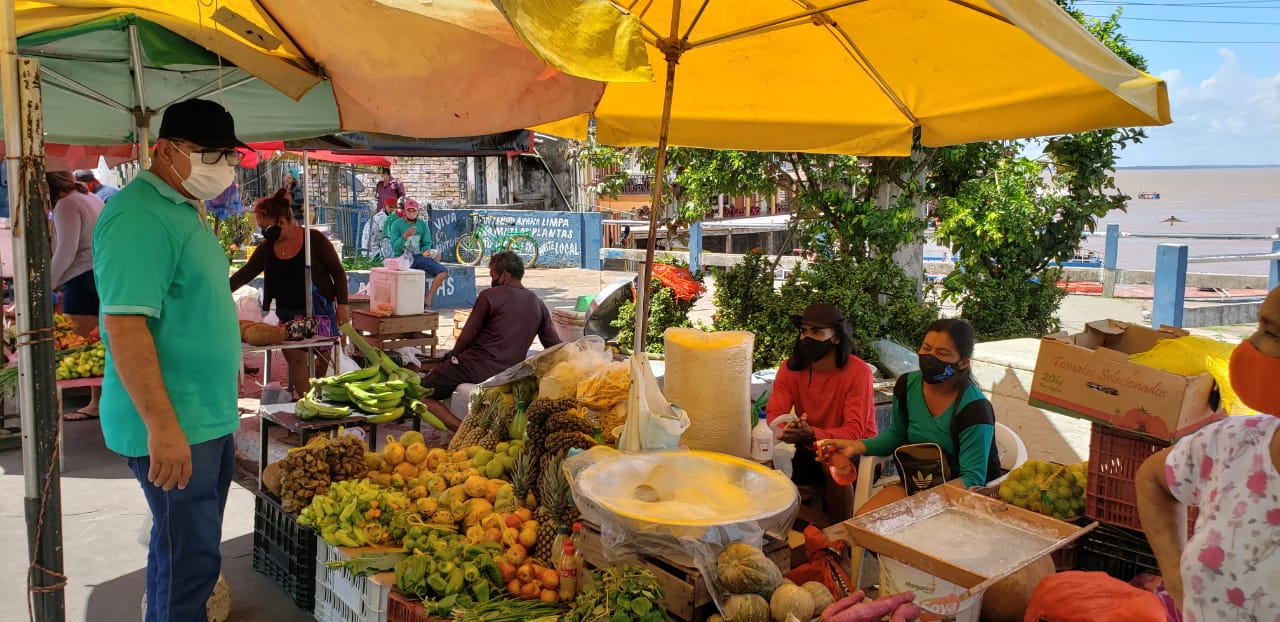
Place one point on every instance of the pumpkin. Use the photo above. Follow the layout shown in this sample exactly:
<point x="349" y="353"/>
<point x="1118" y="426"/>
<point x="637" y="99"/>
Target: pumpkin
<point x="793" y="601"/>
<point x="263" y="334"/>
<point x="822" y="597"/>
<point x="746" y="608"/>
<point x="743" y="569"/>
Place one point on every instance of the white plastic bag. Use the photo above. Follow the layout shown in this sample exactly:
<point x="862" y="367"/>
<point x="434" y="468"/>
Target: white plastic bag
<point x="652" y="422"/>
<point x="409" y="356"/>
<point x="344" y="363"/>
<point x="271" y="319"/>
<point x="575" y="362"/>
<point x="783" y="455"/>
<point x="247" y="306"/>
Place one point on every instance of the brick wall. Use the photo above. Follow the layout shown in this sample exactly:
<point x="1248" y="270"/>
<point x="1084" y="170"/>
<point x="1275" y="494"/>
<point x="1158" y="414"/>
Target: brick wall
<point x="430" y="180"/>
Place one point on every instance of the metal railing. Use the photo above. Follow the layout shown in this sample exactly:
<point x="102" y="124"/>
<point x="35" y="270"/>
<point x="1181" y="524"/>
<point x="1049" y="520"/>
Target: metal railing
<point x="1168" y="303"/>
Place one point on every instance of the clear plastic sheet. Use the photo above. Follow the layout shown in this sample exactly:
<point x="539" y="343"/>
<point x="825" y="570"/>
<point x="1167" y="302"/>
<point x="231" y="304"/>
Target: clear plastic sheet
<point x="542" y="362"/>
<point x="701" y="503"/>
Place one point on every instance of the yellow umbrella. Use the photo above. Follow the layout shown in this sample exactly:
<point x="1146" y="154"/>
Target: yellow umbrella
<point x="835" y="76"/>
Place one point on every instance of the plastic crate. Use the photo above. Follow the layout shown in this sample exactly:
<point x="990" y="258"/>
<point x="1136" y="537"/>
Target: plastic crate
<point x="1114" y="458"/>
<point x="341" y="597"/>
<point x="401" y="608"/>
<point x="1119" y="552"/>
<point x="284" y="551"/>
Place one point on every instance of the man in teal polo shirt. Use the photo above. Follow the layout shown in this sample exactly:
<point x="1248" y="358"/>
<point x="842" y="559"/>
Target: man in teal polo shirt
<point x="173" y="351"/>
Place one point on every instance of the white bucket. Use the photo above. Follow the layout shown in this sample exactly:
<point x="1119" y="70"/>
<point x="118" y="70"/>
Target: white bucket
<point x="939" y="599"/>
<point x="570" y="325"/>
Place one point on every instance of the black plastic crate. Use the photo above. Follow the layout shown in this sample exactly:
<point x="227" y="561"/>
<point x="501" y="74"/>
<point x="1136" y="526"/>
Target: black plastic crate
<point x="284" y="551"/>
<point x="1119" y="552"/>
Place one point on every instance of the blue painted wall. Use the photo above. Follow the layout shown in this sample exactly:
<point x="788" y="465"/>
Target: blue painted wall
<point x="560" y="235"/>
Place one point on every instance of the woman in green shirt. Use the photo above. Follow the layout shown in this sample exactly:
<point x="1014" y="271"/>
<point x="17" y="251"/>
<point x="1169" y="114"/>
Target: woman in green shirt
<point x="937" y="404"/>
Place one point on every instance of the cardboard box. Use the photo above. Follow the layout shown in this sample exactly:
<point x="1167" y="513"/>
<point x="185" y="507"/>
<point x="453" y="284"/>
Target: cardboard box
<point x="960" y="596"/>
<point x="1089" y="375"/>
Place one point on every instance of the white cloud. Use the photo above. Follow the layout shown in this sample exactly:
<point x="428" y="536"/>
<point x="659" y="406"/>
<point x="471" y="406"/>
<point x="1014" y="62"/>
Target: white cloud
<point x="1230" y="117"/>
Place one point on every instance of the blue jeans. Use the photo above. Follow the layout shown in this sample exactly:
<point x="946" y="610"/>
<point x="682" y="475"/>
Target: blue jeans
<point x="428" y="265"/>
<point x="184" y="558"/>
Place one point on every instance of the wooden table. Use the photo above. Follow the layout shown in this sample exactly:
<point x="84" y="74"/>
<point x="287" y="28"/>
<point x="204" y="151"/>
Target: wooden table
<point x="283" y="415"/>
<point x="313" y="342"/>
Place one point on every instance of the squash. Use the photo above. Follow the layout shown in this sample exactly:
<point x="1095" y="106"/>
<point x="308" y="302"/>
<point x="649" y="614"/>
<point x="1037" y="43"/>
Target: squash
<point x="822" y="597"/>
<point x="743" y="569"/>
<point x="746" y="608"/>
<point x="264" y="334"/>
<point x="791" y="600"/>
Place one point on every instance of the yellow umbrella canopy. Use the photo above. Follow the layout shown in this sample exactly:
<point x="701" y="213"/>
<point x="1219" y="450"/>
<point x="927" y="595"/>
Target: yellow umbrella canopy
<point x="843" y="76"/>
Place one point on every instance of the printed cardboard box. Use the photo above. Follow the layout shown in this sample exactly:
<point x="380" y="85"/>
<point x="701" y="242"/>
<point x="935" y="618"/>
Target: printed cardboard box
<point x="1088" y="375"/>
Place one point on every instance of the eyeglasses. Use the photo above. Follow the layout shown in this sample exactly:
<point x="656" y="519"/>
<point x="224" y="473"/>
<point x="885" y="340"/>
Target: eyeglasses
<point x="214" y="156"/>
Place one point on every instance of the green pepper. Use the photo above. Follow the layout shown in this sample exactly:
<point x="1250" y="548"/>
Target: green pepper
<point x="437" y="585"/>
<point x="444" y="566"/>
<point x="490" y="570"/>
<point x="455" y="581"/>
<point x="481" y="590"/>
<point x="470" y="572"/>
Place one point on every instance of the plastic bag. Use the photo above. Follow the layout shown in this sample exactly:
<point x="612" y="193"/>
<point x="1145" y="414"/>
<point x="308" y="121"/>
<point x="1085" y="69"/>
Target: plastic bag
<point x="573" y="363"/>
<point x="741" y="502"/>
<point x="652" y="422"/>
<point x="825" y="563"/>
<point x="409" y="357"/>
<point x="247" y="306"/>
<point x="271" y="319"/>
<point x="605" y="387"/>
<point x="344" y="363"/>
<point x="783" y="455"/>
<point x="275" y="393"/>
<point x="895" y="358"/>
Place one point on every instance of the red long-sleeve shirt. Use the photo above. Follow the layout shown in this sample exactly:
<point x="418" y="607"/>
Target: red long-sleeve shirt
<point x="840" y="403"/>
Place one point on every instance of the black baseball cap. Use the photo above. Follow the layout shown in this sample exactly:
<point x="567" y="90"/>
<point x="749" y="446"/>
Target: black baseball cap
<point x="85" y="175"/>
<point x="202" y="122"/>
<point x="819" y="315"/>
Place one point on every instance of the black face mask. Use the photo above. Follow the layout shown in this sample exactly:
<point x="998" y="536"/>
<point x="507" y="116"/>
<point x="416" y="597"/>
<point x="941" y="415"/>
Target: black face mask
<point x="271" y="233"/>
<point x="937" y="371"/>
<point x="810" y="351"/>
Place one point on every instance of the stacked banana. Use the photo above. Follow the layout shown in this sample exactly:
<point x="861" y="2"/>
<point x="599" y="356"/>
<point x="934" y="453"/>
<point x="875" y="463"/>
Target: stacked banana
<point x="382" y="392"/>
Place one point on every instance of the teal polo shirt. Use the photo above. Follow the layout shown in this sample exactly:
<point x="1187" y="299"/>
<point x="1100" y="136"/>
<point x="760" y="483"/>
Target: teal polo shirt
<point x="153" y="256"/>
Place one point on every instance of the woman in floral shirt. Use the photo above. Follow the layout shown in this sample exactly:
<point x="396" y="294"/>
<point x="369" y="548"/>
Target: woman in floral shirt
<point x="1230" y="568"/>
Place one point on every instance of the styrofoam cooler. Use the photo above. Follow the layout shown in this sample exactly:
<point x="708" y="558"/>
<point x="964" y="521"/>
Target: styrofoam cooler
<point x="403" y="290"/>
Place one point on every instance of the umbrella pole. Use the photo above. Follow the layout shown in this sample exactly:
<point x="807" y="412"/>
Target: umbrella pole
<point x="659" y="179"/>
<point x="141" y="116"/>
<point x="38" y="400"/>
<point x="306" y="258"/>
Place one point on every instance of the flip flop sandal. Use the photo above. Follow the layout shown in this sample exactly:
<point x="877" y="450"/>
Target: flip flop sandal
<point x="79" y="415"/>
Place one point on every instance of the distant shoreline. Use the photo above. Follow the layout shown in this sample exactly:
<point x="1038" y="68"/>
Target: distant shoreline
<point x="1194" y="166"/>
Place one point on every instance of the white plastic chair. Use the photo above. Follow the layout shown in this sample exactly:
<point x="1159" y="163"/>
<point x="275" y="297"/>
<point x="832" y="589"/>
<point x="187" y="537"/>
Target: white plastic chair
<point x="1011" y="449"/>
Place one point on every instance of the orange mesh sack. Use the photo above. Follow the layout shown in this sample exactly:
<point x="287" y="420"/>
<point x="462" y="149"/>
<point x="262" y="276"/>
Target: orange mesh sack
<point x="824" y="565"/>
<point x="1077" y="596"/>
<point x="680" y="280"/>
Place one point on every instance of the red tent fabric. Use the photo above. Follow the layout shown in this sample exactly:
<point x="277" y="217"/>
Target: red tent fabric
<point x="265" y="149"/>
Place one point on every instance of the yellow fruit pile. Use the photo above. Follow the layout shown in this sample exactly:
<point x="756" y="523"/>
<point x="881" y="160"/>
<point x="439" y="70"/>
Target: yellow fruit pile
<point x="1047" y="488"/>
<point x="87" y="364"/>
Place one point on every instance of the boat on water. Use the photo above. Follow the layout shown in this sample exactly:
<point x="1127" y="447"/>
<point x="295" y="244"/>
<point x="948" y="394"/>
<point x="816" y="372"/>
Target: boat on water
<point x="1148" y="195"/>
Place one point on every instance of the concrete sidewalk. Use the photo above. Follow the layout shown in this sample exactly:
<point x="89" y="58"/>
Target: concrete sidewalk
<point x="103" y="507"/>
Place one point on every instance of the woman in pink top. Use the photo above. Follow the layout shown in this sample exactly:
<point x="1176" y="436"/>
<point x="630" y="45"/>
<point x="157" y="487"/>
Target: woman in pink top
<point x="75" y="212"/>
<point x="830" y="389"/>
<point x="1230" y="567"/>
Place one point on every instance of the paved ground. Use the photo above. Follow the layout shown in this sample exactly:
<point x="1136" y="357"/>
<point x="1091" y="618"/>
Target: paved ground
<point x="104" y="509"/>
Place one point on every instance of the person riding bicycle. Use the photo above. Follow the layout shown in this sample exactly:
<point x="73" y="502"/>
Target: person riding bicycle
<point x="412" y="237"/>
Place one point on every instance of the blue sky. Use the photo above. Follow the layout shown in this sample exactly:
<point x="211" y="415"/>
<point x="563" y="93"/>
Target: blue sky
<point x="1224" y="93"/>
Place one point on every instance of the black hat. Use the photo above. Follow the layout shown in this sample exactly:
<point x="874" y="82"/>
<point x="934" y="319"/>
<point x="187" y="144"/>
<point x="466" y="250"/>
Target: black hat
<point x="202" y="122"/>
<point x="85" y="175"/>
<point x="819" y="315"/>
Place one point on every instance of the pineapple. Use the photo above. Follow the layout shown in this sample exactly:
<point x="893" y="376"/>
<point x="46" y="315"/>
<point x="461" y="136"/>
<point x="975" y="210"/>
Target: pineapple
<point x="474" y="425"/>
<point x="522" y="476"/>
<point x="503" y="409"/>
<point x="553" y="511"/>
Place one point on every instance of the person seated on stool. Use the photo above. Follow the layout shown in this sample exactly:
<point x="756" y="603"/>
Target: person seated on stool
<point x="412" y="236"/>
<point x="925" y="403"/>
<point x="832" y="391"/>
<point x="498" y="334"/>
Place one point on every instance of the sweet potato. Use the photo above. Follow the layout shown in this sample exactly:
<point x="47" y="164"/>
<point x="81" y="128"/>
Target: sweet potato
<point x="842" y="604"/>
<point x="874" y="610"/>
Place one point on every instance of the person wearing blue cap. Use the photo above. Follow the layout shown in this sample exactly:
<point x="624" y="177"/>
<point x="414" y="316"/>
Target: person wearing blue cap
<point x="170" y="388"/>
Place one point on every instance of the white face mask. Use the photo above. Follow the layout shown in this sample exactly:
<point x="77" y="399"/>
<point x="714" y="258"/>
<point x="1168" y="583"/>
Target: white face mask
<point x="207" y="181"/>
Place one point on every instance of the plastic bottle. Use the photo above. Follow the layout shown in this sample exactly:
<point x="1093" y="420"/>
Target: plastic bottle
<point x="568" y="566"/>
<point x="562" y="534"/>
<point x="762" y="441"/>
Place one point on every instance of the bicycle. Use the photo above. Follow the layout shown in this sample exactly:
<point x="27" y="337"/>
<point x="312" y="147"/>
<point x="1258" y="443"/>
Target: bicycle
<point x="473" y="246"/>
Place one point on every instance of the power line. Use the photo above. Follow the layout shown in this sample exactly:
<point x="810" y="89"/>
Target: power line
<point x="1181" y="6"/>
<point x="1206" y="42"/>
<point x="1184" y="21"/>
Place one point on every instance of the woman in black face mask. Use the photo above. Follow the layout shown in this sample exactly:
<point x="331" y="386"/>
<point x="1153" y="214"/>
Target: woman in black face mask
<point x="280" y="259"/>
<point x="830" y="390"/>
<point x="937" y="404"/>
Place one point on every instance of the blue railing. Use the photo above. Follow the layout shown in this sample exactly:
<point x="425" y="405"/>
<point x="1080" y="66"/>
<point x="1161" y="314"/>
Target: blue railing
<point x="1169" y="299"/>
